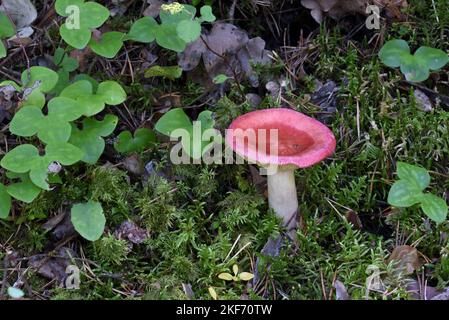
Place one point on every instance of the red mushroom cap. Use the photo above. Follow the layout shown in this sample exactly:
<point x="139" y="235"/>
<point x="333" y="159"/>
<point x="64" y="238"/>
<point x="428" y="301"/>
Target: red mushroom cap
<point x="302" y="141"/>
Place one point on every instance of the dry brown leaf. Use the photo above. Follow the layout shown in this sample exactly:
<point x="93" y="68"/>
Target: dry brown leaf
<point x="339" y="8"/>
<point x="225" y="47"/>
<point x="406" y="258"/>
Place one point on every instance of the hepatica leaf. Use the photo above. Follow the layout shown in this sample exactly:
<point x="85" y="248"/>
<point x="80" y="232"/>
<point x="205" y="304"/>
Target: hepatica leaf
<point x="88" y="220"/>
<point x="40" y="78"/>
<point x="143" y="30"/>
<point x="206" y="14"/>
<point x="82" y="17"/>
<point x="77" y="38"/>
<point x="25" y="190"/>
<point x="54" y="127"/>
<point x="26" y="158"/>
<point x="417" y="67"/>
<point x="93" y="15"/>
<point x="112" y="93"/>
<point x="433" y="58"/>
<point x="434" y="207"/>
<point x="142" y="139"/>
<point x="5" y="202"/>
<point x="172" y="120"/>
<point x="109" y="44"/>
<point x="168" y="38"/>
<point x="61" y="6"/>
<point x="7" y="28"/>
<point x="90" y="138"/>
<point x="393" y="53"/>
<point x="403" y="195"/>
<point x="188" y="30"/>
<point x="408" y="191"/>
<point x="417" y="176"/>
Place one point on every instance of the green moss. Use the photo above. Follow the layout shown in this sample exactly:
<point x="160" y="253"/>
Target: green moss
<point x="111" y="251"/>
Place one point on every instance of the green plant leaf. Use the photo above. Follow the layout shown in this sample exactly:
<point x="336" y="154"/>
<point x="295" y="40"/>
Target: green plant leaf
<point x="65" y="109"/>
<point x="64" y="61"/>
<point x="143" y="30"/>
<point x="61" y="6"/>
<point x="434" y="59"/>
<point x="170" y="72"/>
<point x="109" y="44"/>
<point x="26" y="121"/>
<point x="25" y="190"/>
<point x="77" y="89"/>
<point x="81" y="91"/>
<point x="393" y="52"/>
<point x="414" y="69"/>
<point x="434" y="207"/>
<point x="35" y="98"/>
<point x="403" y="194"/>
<point x="52" y="128"/>
<point x="90" y="140"/>
<point x="7" y="28"/>
<point x="44" y="78"/>
<point x="188" y="30"/>
<point x="177" y="119"/>
<point x="5" y="202"/>
<point x="25" y="158"/>
<point x="77" y="38"/>
<point x="93" y="15"/>
<point x="142" y="139"/>
<point x="20" y="159"/>
<point x="112" y="93"/>
<point x="2" y="49"/>
<point x="172" y="120"/>
<point x="415" y="175"/>
<point x="167" y="37"/>
<point x="65" y="153"/>
<point x="88" y="220"/>
<point x="221" y="78"/>
<point x="188" y="13"/>
<point x="206" y="14"/>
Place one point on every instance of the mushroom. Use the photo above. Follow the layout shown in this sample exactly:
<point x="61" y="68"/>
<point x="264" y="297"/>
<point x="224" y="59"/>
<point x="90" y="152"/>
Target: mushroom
<point x="284" y="140"/>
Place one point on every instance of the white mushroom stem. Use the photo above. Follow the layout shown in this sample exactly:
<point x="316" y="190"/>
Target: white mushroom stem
<point x="282" y="197"/>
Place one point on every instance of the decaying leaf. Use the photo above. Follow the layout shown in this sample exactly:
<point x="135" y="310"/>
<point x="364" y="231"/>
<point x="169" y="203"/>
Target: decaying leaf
<point x="424" y="292"/>
<point x="406" y="258"/>
<point x="53" y="267"/>
<point x="339" y="8"/>
<point x="130" y="231"/>
<point x="226" y="50"/>
<point x="154" y="8"/>
<point x="22" y="12"/>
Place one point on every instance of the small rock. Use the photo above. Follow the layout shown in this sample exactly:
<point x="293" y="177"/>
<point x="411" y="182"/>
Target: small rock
<point x="130" y="231"/>
<point x="422" y="101"/>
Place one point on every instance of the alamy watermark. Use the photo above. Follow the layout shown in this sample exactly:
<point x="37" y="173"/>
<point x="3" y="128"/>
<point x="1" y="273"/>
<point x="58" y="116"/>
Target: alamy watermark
<point x="373" y="20"/>
<point x="73" y="21"/>
<point x="260" y="146"/>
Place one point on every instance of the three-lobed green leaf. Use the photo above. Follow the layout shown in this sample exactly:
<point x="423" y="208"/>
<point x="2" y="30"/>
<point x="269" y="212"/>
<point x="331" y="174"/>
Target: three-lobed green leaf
<point x="408" y="191"/>
<point x="127" y="143"/>
<point x="176" y="124"/>
<point x="417" y="67"/>
<point x="88" y="220"/>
